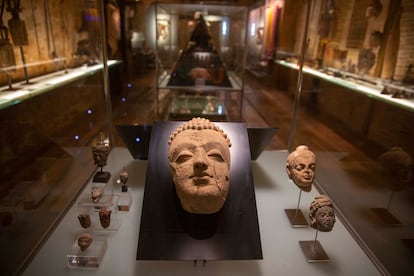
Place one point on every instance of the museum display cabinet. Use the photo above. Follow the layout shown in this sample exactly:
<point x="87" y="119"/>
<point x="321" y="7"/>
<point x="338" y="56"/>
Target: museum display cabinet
<point x="348" y="64"/>
<point x="200" y="58"/>
<point x="53" y="83"/>
<point x="350" y="101"/>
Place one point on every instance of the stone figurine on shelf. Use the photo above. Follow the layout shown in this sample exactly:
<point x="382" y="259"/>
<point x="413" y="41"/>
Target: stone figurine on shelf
<point x="123" y="177"/>
<point x="84" y="241"/>
<point x="105" y="217"/>
<point x="84" y="220"/>
<point x="322" y="216"/>
<point x="199" y="158"/>
<point x="397" y="171"/>
<point x="100" y="155"/>
<point x="397" y="167"/>
<point x="96" y="193"/>
<point x="300" y="168"/>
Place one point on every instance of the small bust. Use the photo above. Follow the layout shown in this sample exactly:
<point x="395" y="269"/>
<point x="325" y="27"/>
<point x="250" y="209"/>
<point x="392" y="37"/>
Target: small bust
<point x="301" y="166"/>
<point x="123" y="176"/>
<point x="100" y="152"/>
<point x="96" y="193"/>
<point x="199" y="159"/>
<point x="322" y="216"/>
<point x="105" y="217"/>
<point x="397" y="166"/>
<point x="84" y="220"/>
<point x="84" y="241"/>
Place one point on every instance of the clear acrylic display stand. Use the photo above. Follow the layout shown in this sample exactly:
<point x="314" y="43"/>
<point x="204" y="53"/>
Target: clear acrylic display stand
<point x="86" y="205"/>
<point x="125" y="201"/>
<point x="90" y="258"/>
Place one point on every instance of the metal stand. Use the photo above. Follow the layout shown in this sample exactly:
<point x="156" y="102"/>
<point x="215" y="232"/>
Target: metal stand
<point x="313" y="250"/>
<point x="296" y="217"/>
<point x="385" y="215"/>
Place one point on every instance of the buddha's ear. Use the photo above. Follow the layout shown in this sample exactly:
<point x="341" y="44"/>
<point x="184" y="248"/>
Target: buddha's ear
<point x="288" y="171"/>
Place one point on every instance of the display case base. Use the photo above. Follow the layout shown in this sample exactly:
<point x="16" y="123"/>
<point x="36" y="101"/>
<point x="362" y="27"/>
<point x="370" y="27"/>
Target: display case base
<point x="296" y="218"/>
<point x="90" y="258"/>
<point x="313" y="251"/>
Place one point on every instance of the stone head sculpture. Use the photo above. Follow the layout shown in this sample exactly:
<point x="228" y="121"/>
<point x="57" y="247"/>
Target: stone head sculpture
<point x="199" y="159"/>
<point x="322" y="216"/>
<point x="397" y="166"/>
<point x="301" y="166"/>
<point x="84" y="241"/>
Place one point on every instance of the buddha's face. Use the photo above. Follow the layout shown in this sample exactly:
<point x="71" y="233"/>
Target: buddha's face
<point x="84" y="241"/>
<point x="325" y="218"/>
<point x="200" y="164"/>
<point x="302" y="170"/>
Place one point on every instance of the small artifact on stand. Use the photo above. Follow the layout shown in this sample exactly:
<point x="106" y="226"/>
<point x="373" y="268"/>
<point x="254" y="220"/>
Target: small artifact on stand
<point x="300" y="168"/>
<point x="84" y="220"/>
<point x="397" y="169"/>
<point x="199" y="158"/>
<point x="84" y="241"/>
<point x="105" y="217"/>
<point x="18" y="32"/>
<point x="96" y="194"/>
<point x="123" y="177"/>
<point x="100" y="155"/>
<point x="7" y="59"/>
<point x="322" y="218"/>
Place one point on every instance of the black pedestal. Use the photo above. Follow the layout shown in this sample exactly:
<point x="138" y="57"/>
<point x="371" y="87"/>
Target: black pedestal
<point x="102" y="177"/>
<point x="168" y="232"/>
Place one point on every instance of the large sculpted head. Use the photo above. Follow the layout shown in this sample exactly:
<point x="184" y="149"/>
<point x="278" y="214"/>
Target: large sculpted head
<point x="199" y="158"/>
<point x="301" y="166"/>
<point x="322" y="216"/>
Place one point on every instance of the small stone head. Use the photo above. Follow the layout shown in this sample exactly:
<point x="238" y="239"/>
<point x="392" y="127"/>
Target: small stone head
<point x="397" y="166"/>
<point x="84" y="220"/>
<point x="96" y="193"/>
<point x="105" y="217"/>
<point x="123" y="176"/>
<point x="84" y="241"/>
<point x="322" y="216"/>
<point x="301" y="166"/>
<point x="199" y="159"/>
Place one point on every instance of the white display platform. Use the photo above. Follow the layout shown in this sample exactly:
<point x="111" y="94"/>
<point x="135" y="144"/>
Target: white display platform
<point x="282" y="254"/>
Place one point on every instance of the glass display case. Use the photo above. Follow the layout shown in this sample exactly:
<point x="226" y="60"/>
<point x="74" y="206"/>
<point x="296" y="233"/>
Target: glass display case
<point x="53" y="105"/>
<point x="200" y="58"/>
<point x="337" y="75"/>
<point x="348" y="67"/>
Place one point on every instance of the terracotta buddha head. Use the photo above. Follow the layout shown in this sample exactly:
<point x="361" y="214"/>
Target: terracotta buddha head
<point x="199" y="159"/>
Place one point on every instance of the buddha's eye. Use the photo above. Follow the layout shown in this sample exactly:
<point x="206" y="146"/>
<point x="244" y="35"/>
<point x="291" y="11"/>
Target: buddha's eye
<point x="216" y="155"/>
<point x="299" y="167"/>
<point x="183" y="157"/>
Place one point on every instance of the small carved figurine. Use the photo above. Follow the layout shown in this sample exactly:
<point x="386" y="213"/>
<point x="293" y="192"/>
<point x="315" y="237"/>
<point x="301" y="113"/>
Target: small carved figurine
<point x="397" y="167"/>
<point x="84" y="220"/>
<point x="96" y="193"/>
<point x="199" y="158"/>
<point x="84" y="241"/>
<point x="301" y="166"/>
<point x="322" y="216"/>
<point x="123" y="176"/>
<point x="100" y="152"/>
<point x="105" y="217"/>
